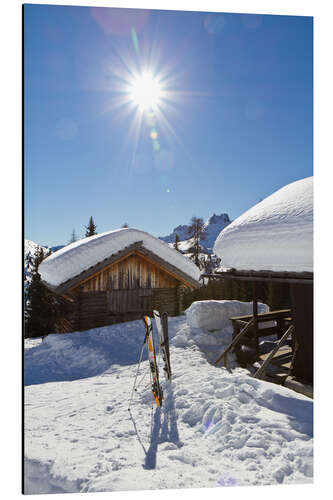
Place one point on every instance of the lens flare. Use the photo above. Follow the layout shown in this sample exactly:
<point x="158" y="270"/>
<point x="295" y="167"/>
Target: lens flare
<point x="153" y="134"/>
<point x="145" y="92"/>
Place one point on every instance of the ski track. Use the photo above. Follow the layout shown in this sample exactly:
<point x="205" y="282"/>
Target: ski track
<point x="215" y="428"/>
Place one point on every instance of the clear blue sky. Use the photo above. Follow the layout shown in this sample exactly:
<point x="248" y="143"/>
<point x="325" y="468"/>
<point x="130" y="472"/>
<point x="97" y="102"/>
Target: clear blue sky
<point x="234" y="126"/>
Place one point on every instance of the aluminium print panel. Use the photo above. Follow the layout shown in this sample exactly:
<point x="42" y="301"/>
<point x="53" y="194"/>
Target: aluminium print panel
<point x="168" y="202"/>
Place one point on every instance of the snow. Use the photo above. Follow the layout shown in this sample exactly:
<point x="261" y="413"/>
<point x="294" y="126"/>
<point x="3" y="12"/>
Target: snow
<point x="216" y="428"/>
<point x="215" y="314"/>
<point x="82" y="254"/>
<point x="276" y="234"/>
<point x="183" y="246"/>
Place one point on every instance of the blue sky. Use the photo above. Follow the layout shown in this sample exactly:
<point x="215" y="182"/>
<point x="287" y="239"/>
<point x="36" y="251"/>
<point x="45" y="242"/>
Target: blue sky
<point x="236" y="123"/>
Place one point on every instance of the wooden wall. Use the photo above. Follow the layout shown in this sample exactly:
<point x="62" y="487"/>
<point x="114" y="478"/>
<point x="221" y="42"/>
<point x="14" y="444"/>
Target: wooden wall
<point x="166" y="300"/>
<point x="94" y="309"/>
<point x="123" y="291"/>
<point x="132" y="272"/>
<point x="302" y="311"/>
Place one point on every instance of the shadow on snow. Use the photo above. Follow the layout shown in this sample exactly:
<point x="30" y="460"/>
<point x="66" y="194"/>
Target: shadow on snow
<point x="164" y="428"/>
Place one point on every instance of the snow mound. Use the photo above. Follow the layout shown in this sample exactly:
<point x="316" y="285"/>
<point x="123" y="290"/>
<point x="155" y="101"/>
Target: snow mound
<point x="82" y="254"/>
<point x="85" y="354"/>
<point x="215" y="314"/>
<point x="275" y="235"/>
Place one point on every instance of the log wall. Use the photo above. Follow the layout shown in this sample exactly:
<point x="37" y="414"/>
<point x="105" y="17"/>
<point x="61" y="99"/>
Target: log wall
<point x="92" y="310"/>
<point x="96" y="309"/>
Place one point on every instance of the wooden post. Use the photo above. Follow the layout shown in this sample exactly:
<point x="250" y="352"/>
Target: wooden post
<point x="80" y="306"/>
<point x="255" y="317"/>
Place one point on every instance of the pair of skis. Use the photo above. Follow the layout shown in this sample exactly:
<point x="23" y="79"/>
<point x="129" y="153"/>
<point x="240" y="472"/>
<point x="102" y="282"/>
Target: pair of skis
<point x="161" y="322"/>
<point x="162" y="328"/>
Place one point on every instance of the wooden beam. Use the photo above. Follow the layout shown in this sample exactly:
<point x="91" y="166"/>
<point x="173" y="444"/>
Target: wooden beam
<point x="281" y="313"/>
<point x="305" y="278"/>
<point x="255" y="316"/>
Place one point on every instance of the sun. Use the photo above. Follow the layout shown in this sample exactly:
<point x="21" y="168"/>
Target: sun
<point x="145" y="92"/>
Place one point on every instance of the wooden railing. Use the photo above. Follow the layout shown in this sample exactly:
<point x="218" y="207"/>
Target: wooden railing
<point x="283" y="339"/>
<point x="249" y="324"/>
<point x="224" y="355"/>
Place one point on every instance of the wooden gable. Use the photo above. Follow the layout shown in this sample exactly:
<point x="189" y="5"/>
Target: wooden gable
<point x="133" y="271"/>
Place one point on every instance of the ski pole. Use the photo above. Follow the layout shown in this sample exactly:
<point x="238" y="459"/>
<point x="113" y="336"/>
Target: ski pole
<point x="137" y="371"/>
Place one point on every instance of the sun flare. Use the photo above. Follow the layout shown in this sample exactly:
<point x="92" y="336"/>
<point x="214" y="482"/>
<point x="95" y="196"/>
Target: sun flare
<point x="145" y="92"/>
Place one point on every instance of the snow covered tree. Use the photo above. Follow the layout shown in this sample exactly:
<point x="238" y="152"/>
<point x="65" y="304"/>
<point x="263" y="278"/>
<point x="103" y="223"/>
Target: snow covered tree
<point x="41" y="307"/>
<point x="91" y="228"/>
<point x="196" y="232"/>
<point x="73" y="237"/>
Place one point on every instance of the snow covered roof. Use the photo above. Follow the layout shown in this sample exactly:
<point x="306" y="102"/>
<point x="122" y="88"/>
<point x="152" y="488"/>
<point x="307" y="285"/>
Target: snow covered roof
<point x="275" y="235"/>
<point x="81" y="255"/>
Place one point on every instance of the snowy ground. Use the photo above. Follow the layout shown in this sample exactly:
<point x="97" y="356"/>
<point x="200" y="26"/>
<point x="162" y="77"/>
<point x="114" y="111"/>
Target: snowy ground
<point x="215" y="428"/>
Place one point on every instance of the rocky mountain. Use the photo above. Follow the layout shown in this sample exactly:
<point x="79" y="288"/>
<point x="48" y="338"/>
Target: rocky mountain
<point x="213" y="227"/>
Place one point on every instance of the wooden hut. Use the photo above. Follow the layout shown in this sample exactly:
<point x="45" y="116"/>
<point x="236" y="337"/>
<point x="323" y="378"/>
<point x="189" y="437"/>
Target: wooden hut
<point x="273" y="242"/>
<point x="117" y="276"/>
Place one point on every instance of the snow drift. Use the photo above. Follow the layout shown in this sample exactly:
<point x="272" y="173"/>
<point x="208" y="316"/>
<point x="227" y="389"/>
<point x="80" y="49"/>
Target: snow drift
<point x="80" y="255"/>
<point x="216" y="314"/>
<point x="81" y="354"/>
<point x="274" y="235"/>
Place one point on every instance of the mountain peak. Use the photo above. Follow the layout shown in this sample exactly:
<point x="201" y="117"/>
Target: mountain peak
<point x="213" y="226"/>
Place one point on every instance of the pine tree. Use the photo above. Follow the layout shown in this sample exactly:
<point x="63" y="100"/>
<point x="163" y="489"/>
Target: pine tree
<point x="73" y="237"/>
<point x="91" y="228"/>
<point x="41" y="307"/>
<point x="196" y="232"/>
<point x="125" y="225"/>
<point x="175" y="245"/>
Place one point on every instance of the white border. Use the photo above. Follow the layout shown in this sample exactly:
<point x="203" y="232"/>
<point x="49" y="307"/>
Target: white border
<point x="11" y="239"/>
